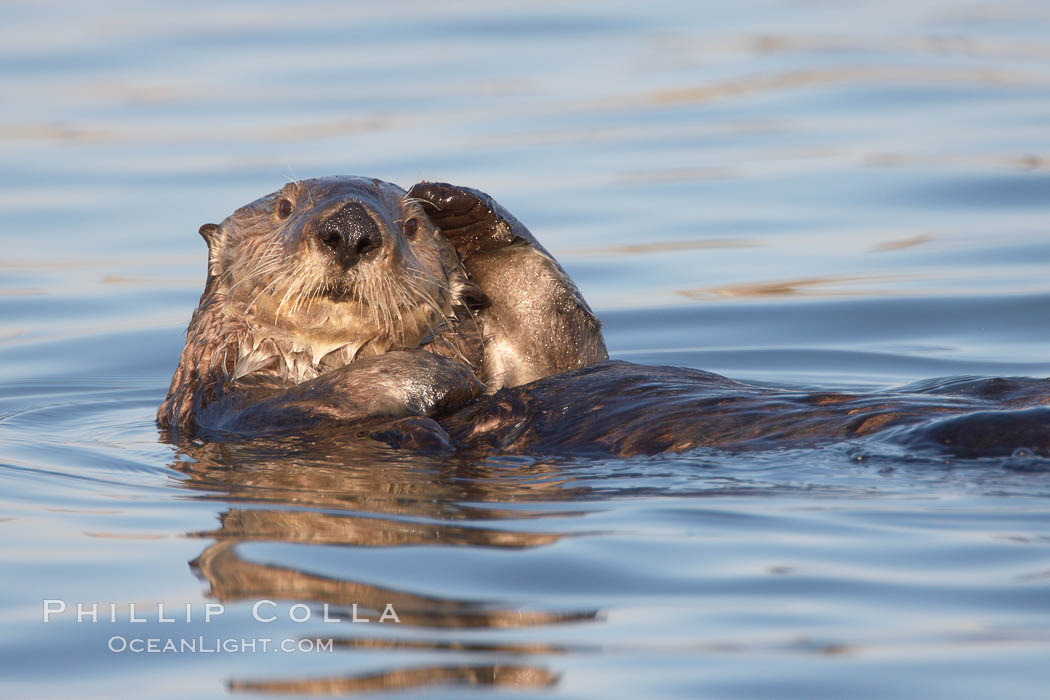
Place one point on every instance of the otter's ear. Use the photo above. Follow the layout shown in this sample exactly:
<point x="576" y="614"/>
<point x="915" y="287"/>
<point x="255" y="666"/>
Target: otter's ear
<point x="212" y="235"/>
<point x="471" y="219"/>
<point x="209" y="232"/>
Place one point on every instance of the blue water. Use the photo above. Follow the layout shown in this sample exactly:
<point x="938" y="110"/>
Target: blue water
<point x="820" y="195"/>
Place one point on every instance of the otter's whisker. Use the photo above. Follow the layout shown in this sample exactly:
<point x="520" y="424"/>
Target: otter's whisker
<point x="295" y="272"/>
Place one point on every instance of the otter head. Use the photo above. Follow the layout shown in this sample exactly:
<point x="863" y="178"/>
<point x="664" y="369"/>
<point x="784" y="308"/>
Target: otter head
<point x="339" y="265"/>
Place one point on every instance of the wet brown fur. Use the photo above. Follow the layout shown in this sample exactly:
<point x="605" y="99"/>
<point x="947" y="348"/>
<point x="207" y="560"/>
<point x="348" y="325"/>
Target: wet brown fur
<point x="277" y="311"/>
<point x="470" y="336"/>
<point x="627" y="409"/>
<point x="285" y="337"/>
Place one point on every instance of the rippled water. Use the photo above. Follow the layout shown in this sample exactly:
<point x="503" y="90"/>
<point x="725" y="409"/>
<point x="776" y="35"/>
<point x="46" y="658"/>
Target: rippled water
<point x="809" y="194"/>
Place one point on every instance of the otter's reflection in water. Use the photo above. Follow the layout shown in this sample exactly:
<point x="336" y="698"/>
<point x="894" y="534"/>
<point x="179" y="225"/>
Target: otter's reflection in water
<point x="353" y="495"/>
<point x="510" y="676"/>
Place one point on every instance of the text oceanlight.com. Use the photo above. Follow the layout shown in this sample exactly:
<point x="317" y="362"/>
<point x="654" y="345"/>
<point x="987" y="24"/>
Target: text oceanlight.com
<point x="215" y="645"/>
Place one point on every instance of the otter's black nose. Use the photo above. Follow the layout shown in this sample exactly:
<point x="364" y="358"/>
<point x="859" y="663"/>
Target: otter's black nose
<point x="351" y="233"/>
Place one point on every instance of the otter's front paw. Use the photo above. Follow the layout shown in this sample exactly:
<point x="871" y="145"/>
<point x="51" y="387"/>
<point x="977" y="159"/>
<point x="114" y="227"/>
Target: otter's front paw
<point x="416" y="433"/>
<point x="471" y="219"/>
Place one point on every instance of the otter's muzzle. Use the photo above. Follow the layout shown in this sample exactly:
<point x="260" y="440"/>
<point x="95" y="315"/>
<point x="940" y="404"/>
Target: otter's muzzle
<point x="351" y="234"/>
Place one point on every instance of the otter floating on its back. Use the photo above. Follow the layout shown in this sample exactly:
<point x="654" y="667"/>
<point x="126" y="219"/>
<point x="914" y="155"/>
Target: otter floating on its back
<point x="340" y="300"/>
<point x="433" y="319"/>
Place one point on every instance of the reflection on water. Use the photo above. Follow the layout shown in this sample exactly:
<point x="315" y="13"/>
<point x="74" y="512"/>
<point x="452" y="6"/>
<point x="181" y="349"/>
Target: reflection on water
<point x="816" y="196"/>
<point x="517" y="677"/>
<point x="407" y="500"/>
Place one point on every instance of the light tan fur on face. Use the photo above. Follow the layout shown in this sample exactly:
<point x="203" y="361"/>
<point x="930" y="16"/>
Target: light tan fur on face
<point x="278" y="279"/>
<point x="278" y="304"/>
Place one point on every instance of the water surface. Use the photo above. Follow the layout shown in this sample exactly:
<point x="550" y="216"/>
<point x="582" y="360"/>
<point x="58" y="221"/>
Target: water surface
<point x="828" y="195"/>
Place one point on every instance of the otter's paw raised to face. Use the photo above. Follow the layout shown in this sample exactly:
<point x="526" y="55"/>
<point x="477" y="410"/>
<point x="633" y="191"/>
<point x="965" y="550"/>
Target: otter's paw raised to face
<point x="325" y="273"/>
<point x="536" y="321"/>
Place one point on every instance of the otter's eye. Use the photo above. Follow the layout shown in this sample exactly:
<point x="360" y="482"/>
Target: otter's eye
<point x="411" y="226"/>
<point x="284" y="209"/>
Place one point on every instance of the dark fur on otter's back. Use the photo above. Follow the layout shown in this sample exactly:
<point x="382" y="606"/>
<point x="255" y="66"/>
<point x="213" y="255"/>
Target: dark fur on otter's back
<point x="433" y="319"/>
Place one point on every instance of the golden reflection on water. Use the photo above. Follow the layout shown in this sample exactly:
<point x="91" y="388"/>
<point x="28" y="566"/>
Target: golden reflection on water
<point x="819" y="77"/>
<point x="368" y="476"/>
<point x="1025" y="162"/>
<point x="233" y="579"/>
<point x="410" y="501"/>
<point x="804" y="286"/>
<point x="663" y="247"/>
<point x="902" y="243"/>
<point x="400" y="679"/>
<point x="685" y="46"/>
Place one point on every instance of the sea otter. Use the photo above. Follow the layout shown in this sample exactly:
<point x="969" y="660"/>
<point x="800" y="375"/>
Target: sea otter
<point x="339" y="300"/>
<point x="433" y="319"/>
